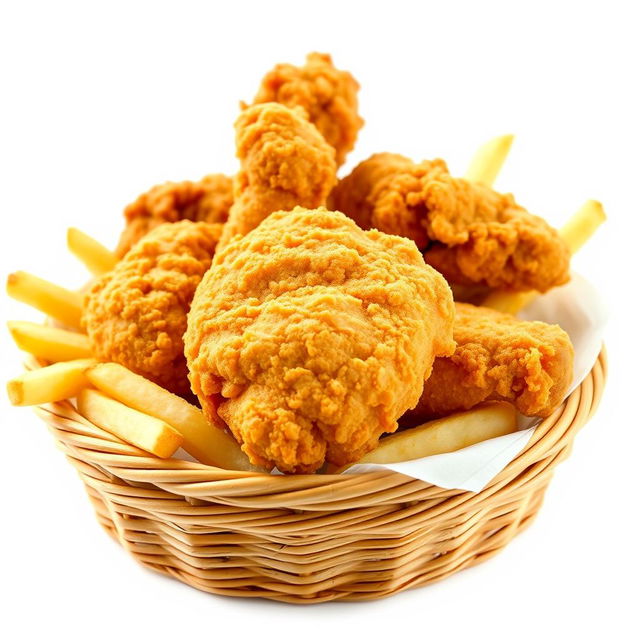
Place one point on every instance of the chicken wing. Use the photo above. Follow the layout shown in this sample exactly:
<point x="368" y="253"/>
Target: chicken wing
<point x="136" y="314"/>
<point x="207" y="200"/>
<point x="499" y="357"/>
<point x="468" y="232"/>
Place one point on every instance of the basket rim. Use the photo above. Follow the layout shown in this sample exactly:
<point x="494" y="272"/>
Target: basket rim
<point x="85" y="442"/>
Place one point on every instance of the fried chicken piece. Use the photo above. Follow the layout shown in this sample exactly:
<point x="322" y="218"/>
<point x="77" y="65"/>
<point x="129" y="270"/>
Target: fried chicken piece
<point x="136" y="314"/>
<point x="285" y="162"/>
<point x="310" y="337"/>
<point x="470" y="233"/>
<point x="207" y="200"/>
<point x="328" y="96"/>
<point x="499" y="357"/>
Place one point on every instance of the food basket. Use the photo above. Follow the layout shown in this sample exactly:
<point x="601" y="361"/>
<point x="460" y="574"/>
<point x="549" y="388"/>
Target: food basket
<point x="310" y="538"/>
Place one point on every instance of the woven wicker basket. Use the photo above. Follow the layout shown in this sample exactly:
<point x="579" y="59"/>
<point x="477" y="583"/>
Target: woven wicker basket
<point x="310" y="538"/>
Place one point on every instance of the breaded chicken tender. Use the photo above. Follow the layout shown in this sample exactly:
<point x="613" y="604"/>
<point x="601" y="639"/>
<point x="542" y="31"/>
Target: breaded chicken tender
<point x="207" y="200"/>
<point x="310" y="337"/>
<point x="136" y="314"/>
<point x="284" y="162"/>
<point x="499" y="357"/>
<point x="328" y="96"/>
<point x="468" y="232"/>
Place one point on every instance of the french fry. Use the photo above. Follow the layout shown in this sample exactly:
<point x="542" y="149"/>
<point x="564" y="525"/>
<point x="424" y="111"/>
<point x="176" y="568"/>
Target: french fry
<point x="575" y="233"/>
<point x="509" y="301"/>
<point x="49" y="343"/>
<point x="204" y="442"/>
<point x="582" y="225"/>
<point x="49" y="384"/>
<point x="55" y="301"/>
<point x="96" y="257"/>
<point x="488" y="160"/>
<point x="139" y="429"/>
<point x="446" y="434"/>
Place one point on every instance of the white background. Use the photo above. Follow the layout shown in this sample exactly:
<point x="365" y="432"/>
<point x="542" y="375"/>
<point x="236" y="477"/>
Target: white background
<point x="101" y="101"/>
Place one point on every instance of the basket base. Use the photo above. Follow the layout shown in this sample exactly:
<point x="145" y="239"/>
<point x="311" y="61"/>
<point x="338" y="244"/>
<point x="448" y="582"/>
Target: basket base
<point x="409" y="562"/>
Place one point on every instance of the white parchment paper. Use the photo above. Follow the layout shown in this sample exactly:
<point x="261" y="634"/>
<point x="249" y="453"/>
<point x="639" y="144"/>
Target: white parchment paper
<point x="577" y="308"/>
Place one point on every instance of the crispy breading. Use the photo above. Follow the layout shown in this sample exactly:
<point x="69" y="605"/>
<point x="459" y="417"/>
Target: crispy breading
<point x="207" y="200"/>
<point x="328" y="96"/>
<point x="136" y="314"/>
<point x="499" y="357"/>
<point x="469" y="232"/>
<point x="284" y="162"/>
<point x="310" y="337"/>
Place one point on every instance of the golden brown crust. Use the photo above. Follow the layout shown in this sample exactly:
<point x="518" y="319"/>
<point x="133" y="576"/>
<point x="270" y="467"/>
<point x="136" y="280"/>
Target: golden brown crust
<point x="310" y="337"/>
<point x="136" y="315"/>
<point x="470" y="233"/>
<point x="284" y="162"/>
<point x="499" y="357"/>
<point x="207" y="200"/>
<point x="328" y="96"/>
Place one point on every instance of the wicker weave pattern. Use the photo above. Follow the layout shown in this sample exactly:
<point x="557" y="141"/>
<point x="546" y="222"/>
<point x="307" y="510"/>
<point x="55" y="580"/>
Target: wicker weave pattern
<point x="310" y="538"/>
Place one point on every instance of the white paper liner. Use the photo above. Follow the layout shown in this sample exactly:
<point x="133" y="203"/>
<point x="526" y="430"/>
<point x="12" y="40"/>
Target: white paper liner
<point x="577" y="308"/>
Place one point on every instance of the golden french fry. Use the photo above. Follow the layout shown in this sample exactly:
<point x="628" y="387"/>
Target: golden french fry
<point x="575" y="233"/>
<point x="445" y="434"/>
<point x="509" y="301"/>
<point x="582" y="225"/>
<point x="96" y="257"/>
<point x="49" y="343"/>
<point x="49" y="384"/>
<point x="139" y="429"/>
<point x="488" y="160"/>
<point x="204" y="442"/>
<point x="55" y="301"/>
